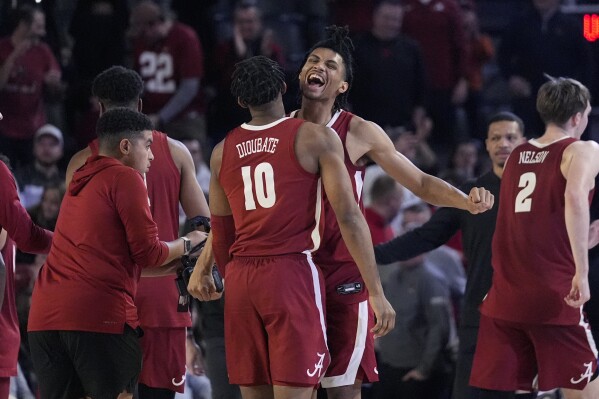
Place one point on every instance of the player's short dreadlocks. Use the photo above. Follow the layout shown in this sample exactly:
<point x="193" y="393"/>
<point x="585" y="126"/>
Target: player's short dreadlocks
<point x="337" y="39"/>
<point x="257" y="80"/>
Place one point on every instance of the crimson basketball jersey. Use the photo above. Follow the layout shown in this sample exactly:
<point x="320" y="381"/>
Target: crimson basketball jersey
<point x="276" y="203"/>
<point x="157" y="297"/>
<point x="532" y="259"/>
<point x="333" y="257"/>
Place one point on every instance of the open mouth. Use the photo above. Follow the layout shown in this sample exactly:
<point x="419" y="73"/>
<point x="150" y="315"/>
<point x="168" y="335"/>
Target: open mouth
<point x="315" y="80"/>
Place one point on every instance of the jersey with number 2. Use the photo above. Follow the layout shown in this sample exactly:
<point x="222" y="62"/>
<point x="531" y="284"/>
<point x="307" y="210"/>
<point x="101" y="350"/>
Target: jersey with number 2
<point x="532" y="259"/>
<point x="276" y="203"/>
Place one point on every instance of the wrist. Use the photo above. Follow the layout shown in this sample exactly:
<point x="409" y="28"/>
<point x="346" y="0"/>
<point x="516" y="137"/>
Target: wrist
<point x="186" y="245"/>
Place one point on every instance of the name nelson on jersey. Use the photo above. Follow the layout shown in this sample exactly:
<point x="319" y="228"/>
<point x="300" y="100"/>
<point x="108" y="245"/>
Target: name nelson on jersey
<point x="268" y="144"/>
<point x="533" y="156"/>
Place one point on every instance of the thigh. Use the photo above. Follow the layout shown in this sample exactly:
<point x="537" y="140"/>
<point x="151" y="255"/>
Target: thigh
<point x="505" y="357"/>
<point x="567" y="357"/>
<point x="351" y="344"/>
<point x="55" y="371"/>
<point x="107" y="364"/>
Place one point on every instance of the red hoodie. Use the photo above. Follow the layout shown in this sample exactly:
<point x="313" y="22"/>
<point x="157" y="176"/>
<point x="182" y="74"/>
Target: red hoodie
<point x="104" y="236"/>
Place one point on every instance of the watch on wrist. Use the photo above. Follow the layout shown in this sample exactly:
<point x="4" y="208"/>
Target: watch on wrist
<point x="186" y="245"/>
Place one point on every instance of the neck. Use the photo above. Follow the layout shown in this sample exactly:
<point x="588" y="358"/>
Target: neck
<point x="265" y="114"/>
<point x="498" y="170"/>
<point x="46" y="169"/>
<point x="554" y="132"/>
<point x="17" y="37"/>
<point x="316" y="111"/>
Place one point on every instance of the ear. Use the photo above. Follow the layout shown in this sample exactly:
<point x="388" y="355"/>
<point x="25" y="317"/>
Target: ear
<point x="102" y="107"/>
<point x="576" y="119"/>
<point x="140" y="105"/>
<point x="343" y="88"/>
<point x="125" y="146"/>
<point x="241" y="103"/>
<point x="284" y="88"/>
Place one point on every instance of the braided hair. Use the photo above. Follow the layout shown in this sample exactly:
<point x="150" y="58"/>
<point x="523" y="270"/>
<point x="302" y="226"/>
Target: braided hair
<point x="337" y="39"/>
<point x="257" y="80"/>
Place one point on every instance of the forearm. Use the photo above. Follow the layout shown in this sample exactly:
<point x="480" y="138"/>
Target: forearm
<point x="185" y="94"/>
<point x="401" y="248"/>
<point x="440" y="193"/>
<point x="577" y="218"/>
<point x="357" y="238"/>
<point x="168" y="269"/>
<point x="5" y="70"/>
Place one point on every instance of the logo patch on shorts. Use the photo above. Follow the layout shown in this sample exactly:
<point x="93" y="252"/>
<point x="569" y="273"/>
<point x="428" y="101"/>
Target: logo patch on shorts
<point x="588" y="374"/>
<point x="317" y="366"/>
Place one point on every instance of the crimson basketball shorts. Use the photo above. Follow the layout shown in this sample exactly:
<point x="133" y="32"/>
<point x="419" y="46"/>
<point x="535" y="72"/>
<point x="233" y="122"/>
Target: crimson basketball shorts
<point x="509" y="356"/>
<point x="274" y="321"/>
<point x="163" y="358"/>
<point x="351" y="344"/>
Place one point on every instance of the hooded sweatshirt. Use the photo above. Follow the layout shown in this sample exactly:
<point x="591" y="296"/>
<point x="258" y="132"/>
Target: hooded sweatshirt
<point x="104" y="236"/>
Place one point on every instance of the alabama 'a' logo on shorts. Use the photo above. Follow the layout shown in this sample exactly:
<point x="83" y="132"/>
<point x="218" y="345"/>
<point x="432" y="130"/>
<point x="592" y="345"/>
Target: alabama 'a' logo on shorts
<point x="588" y="374"/>
<point x="317" y="366"/>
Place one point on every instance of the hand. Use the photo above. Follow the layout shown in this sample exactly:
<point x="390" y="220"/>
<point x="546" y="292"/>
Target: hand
<point x="194" y="360"/>
<point x="384" y="313"/>
<point x="579" y="293"/>
<point x="460" y="92"/>
<point x="196" y="237"/>
<point x="480" y="200"/>
<point x="519" y="87"/>
<point x="413" y="375"/>
<point x="201" y="283"/>
<point x="240" y="46"/>
<point x="52" y="78"/>
<point x="266" y="44"/>
<point x="593" y="233"/>
<point x="21" y="48"/>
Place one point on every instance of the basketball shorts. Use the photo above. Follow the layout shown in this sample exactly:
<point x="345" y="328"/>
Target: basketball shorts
<point x="351" y="344"/>
<point x="274" y="321"/>
<point x="163" y="358"/>
<point x="509" y="355"/>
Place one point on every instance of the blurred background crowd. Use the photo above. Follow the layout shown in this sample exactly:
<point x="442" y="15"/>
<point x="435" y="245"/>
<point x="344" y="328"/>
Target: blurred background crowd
<point x="429" y="72"/>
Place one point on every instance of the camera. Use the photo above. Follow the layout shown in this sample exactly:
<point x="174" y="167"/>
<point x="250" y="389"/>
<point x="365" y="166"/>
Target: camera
<point x="188" y="264"/>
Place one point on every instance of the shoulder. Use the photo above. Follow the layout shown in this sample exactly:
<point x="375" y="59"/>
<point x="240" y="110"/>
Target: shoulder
<point x="583" y="148"/>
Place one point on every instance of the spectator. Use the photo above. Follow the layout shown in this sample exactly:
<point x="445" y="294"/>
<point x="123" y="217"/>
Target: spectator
<point x="44" y="169"/>
<point x="543" y="40"/>
<point x="249" y="38"/>
<point x="168" y="56"/>
<point x="415" y="360"/>
<point x="437" y="27"/>
<point x="464" y="161"/>
<point x="389" y="84"/>
<point x="28" y="70"/>
<point x="385" y="203"/>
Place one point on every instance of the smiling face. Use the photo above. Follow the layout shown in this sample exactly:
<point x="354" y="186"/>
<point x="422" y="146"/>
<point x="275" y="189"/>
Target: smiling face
<point x="323" y="75"/>
<point x="502" y="138"/>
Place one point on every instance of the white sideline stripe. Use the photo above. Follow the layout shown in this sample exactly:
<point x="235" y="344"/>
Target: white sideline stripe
<point x="349" y="377"/>
<point x="359" y="184"/>
<point x="587" y="330"/>
<point x="317" y="296"/>
<point x="315" y="235"/>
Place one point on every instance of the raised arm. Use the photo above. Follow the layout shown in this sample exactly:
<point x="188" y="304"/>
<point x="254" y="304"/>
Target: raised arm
<point x="580" y="165"/>
<point x="325" y="147"/>
<point x="367" y="138"/>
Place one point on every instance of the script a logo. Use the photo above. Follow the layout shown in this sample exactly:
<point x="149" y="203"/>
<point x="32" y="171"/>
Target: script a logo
<point x="587" y="374"/>
<point x="317" y="366"/>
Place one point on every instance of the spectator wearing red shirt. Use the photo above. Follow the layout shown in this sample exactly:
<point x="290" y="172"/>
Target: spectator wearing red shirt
<point x="386" y="198"/>
<point x="83" y="323"/>
<point x="169" y="57"/>
<point x="438" y="28"/>
<point x="27" y="69"/>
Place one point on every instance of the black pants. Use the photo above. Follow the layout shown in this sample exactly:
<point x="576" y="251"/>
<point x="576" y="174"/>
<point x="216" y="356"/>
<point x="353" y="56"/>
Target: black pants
<point x="75" y="364"/>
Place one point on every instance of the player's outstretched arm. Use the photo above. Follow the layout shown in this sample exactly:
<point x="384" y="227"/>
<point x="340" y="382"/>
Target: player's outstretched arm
<point x="324" y="147"/>
<point x="580" y="165"/>
<point x="367" y="138"/>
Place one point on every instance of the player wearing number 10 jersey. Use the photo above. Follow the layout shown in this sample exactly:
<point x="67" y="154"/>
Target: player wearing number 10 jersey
<point x="532" y="320"/>
<point x="265" y="202"/>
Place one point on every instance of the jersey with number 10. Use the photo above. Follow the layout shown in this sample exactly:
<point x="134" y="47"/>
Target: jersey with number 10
<point x="532" y="258"/>
<point x="276" y="203"/>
